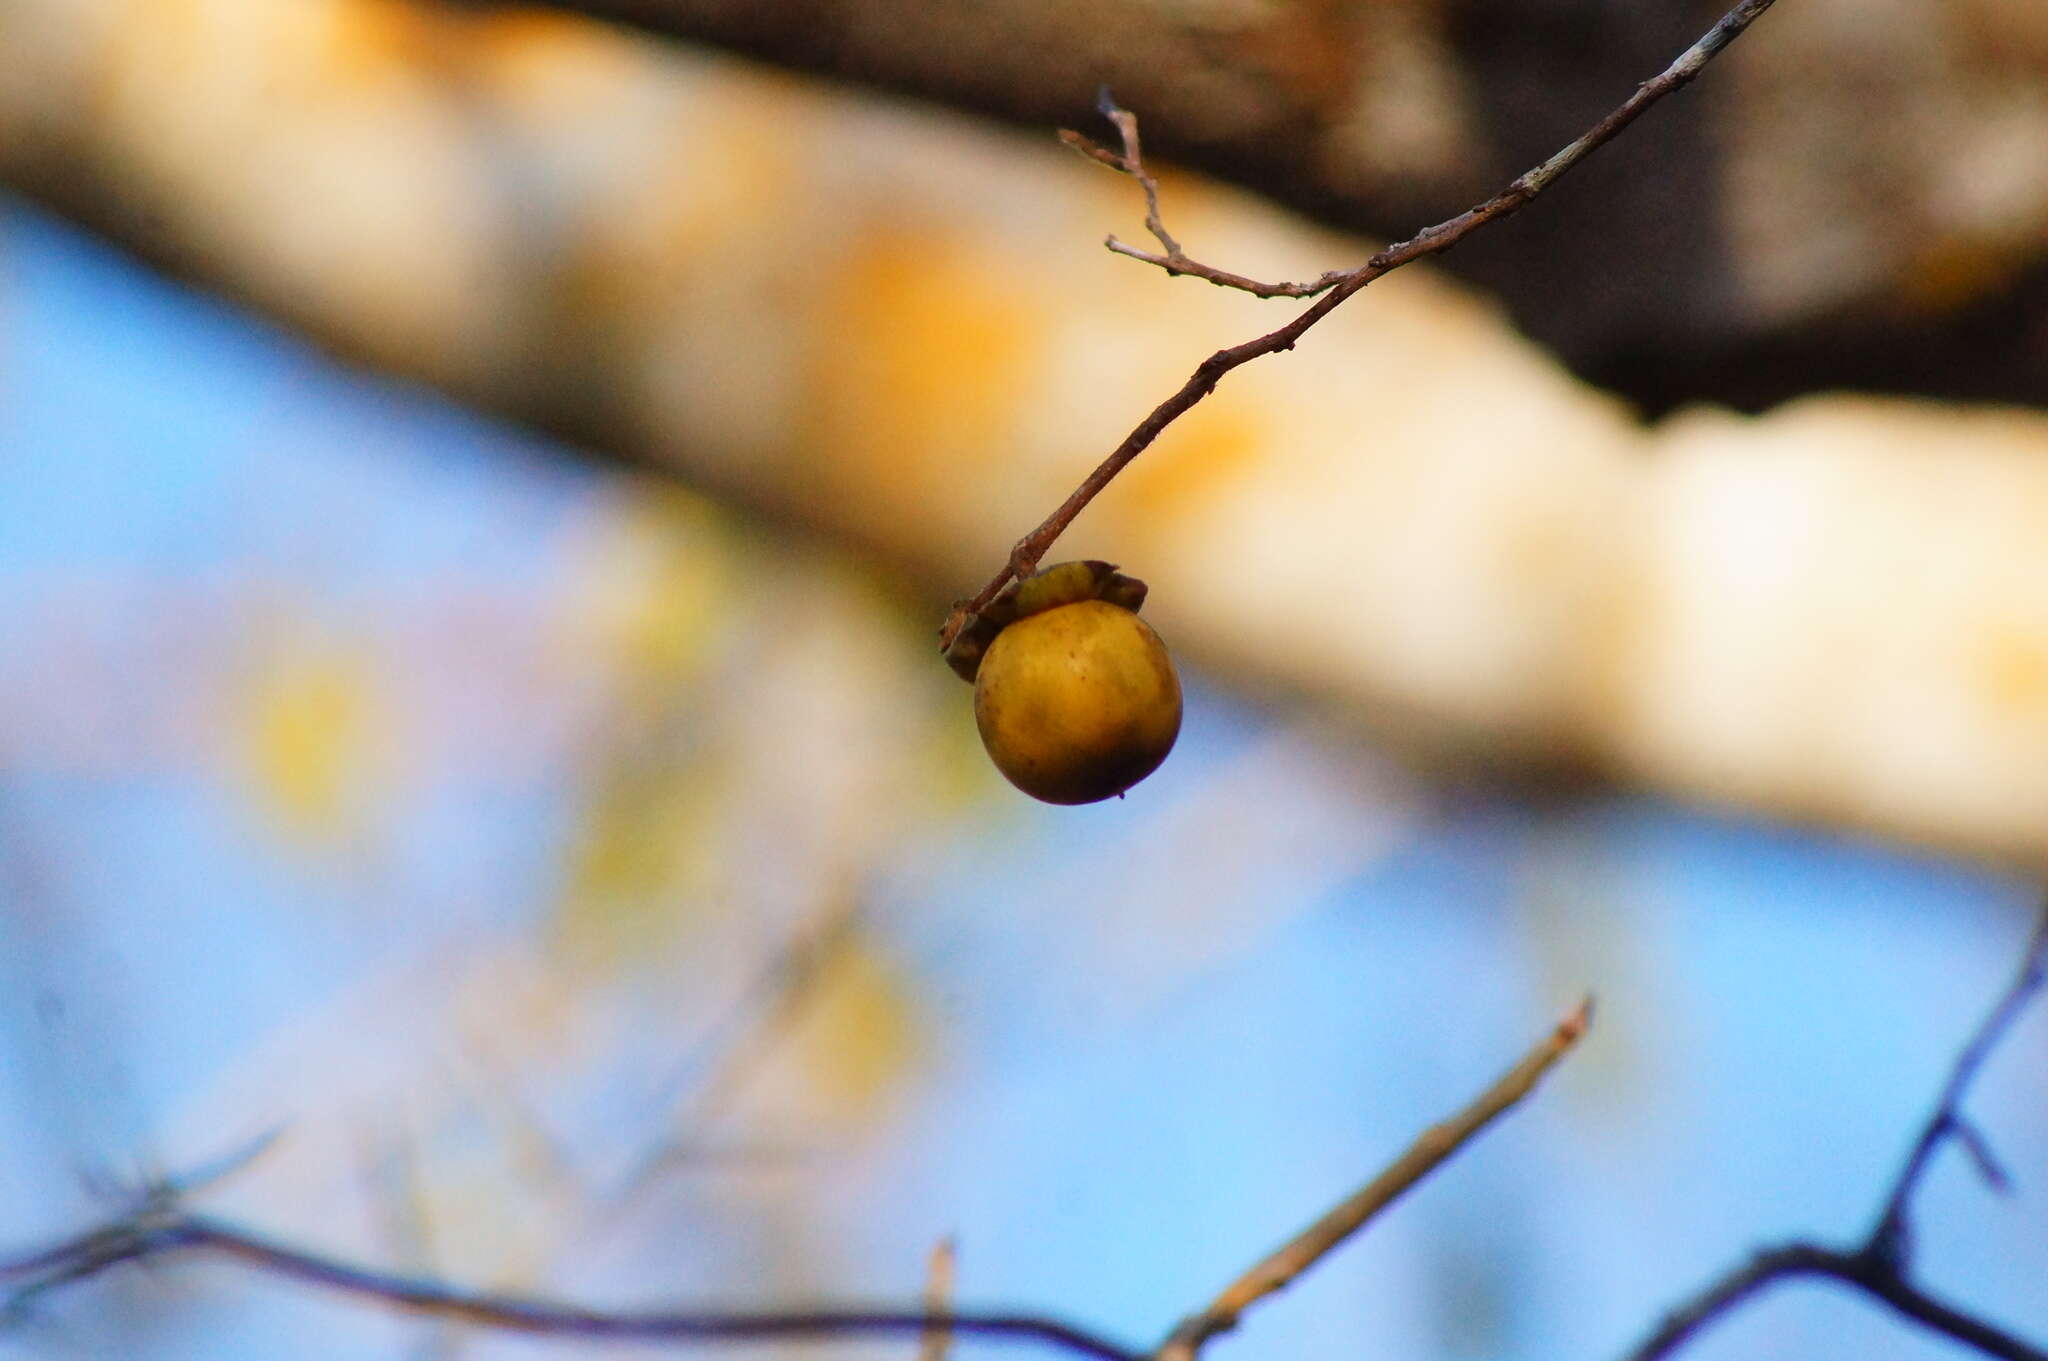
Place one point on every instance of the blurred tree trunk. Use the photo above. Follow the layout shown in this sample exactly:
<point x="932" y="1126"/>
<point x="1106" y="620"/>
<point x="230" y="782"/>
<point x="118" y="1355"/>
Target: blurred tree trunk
<point x="899" y="328"/>
<point x="1859" y="197"/>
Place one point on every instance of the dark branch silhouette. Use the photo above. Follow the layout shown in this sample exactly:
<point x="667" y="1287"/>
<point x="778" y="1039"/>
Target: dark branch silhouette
<point x="159" y="1225"/>
<point x="1881" y="1265"/>
<point x="161" y="1230"/>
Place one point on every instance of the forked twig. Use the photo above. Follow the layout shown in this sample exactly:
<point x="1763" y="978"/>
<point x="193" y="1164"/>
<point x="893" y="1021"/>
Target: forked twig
<point x="1892" y="1236"/>
<point x="1131" y="161"/>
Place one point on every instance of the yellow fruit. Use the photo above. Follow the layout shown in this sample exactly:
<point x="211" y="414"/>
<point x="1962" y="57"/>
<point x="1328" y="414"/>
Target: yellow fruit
<point x="1078" y="702"/>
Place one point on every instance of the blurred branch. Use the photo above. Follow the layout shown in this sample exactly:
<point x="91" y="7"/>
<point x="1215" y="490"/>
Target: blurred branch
<point x="1429" y="1151"/>
<point x="739" y="1042"/>
<point x="1029" y="550"/>
<point x="158" y="1225"/>
<point x="1892" y="1238"/>
<point x="1881" y="1265"/>
<point x="161" y="1231"/>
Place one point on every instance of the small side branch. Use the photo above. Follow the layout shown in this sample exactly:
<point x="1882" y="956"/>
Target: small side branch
<point x="1174" y="260"/>
<point x="1892" y="1237"/>
<point x="1429" y="1151"/>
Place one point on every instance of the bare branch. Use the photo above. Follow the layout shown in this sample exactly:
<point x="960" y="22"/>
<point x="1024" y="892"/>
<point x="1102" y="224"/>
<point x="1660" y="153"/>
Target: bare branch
<point x="1029" y="550"/>
<point x="160" y="1233"/>
<point x="1126" y="124"/>
<point x="738" y="1043"/>
<point x="1855" y="1269"/>
<point x="1425" y="1155"/>
<point x="1988" y="1166"/>
<point x="1223" y="278"/>
<point x="219" y="1169"/>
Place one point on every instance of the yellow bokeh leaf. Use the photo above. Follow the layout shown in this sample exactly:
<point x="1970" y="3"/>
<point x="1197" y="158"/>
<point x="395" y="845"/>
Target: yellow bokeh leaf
<point x="859" y="1033"/>
<point x="660" y="578"/>
<point x="643" y="857"/>
<point x="311" y="718"/>
<point x="664" y="581"/>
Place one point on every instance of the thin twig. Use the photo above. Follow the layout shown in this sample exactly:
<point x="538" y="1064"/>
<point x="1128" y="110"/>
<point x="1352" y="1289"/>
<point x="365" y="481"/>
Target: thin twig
<point x="939" y="1271"/>
<point x="174" y="1231"/>
<point x="1026" y="554"/>
<point x="1126" y="124"/>
<point x="1881" y="1264"/>
<point x="1436" y="1144"/>
<point x="1131" y="161"/>
<point x="1892" y="1236"/>
<point x="210" y="1174"/>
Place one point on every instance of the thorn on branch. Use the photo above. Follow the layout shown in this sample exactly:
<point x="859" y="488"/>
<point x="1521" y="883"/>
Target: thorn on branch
<point x="1978" y="1147"/>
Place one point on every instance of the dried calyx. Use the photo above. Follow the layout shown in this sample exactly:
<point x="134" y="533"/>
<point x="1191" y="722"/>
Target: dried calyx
<point x="1075" y="696"/>
<point x="1064" y="584"/>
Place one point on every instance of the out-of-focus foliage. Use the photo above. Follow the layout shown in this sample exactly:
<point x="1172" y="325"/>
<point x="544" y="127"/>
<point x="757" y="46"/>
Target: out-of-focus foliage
<point x="313" y="736"/>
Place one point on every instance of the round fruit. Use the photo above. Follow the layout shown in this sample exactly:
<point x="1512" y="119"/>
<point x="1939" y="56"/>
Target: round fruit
<point x="1078" y="702"/>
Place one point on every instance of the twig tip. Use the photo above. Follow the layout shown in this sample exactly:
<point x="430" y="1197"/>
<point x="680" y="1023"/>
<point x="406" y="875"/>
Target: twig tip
<point x="1578" y="1022"/>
